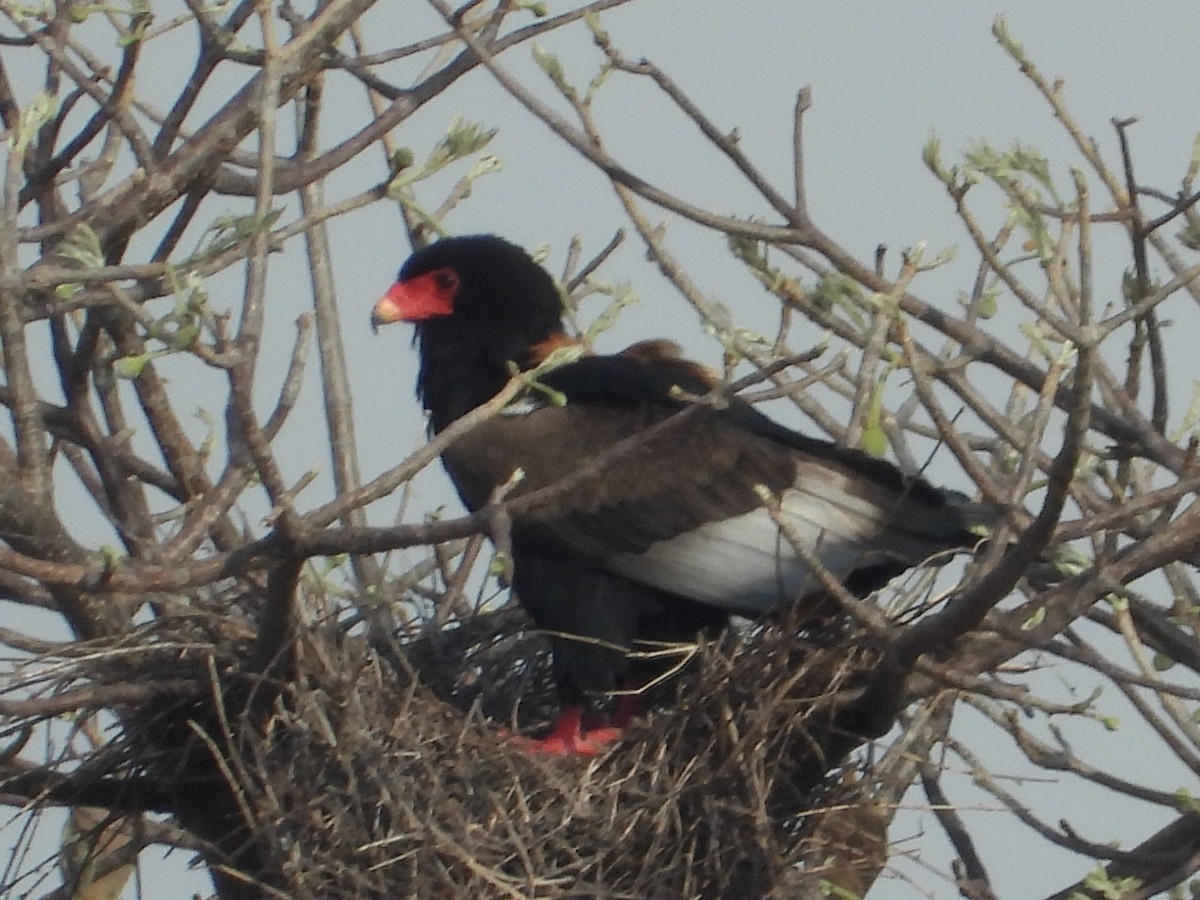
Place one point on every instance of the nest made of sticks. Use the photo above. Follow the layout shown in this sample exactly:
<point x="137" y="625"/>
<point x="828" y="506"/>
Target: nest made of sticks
<point x="416" y="796"/>
<point x="367" y="782"/>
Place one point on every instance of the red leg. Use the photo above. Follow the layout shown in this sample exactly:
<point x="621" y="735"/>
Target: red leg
<point x="567" y="736"/>
<point x="577" y="732"/>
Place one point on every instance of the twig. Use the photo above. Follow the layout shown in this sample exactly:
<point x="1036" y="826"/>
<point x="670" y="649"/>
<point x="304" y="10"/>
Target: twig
<point x="803" y="105"/>
<point x="960" y="838"/>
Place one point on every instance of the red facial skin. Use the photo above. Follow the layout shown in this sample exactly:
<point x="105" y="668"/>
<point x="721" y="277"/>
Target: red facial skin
<point x="417" y="299"/>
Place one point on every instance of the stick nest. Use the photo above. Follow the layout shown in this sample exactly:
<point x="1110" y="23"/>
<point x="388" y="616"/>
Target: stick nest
<point x="362" y="781"/>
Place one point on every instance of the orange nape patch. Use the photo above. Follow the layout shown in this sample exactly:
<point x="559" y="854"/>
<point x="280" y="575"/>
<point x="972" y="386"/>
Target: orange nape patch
<point x="540" y="352"/>
<point x="666" y="352"/>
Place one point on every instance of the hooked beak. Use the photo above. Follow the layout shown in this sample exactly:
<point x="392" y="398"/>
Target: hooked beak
<point x="387" y="310"/>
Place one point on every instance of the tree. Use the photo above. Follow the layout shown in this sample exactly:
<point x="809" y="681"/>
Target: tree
<point x="239" y="677"/>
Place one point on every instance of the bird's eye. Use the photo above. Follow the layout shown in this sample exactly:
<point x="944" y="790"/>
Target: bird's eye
<point x="446" y="279"/>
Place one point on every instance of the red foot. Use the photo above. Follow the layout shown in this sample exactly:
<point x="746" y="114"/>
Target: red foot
<point x="568" y="737"/>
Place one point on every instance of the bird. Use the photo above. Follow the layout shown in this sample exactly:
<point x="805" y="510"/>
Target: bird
<point x="682" y="513"/>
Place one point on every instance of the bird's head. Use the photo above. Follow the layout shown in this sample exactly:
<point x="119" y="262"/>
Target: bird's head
<point x="479" y="304"/>
<point x="473" y="282"/>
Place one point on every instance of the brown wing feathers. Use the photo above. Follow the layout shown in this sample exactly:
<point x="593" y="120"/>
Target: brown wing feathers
<point x="686" y="476"/>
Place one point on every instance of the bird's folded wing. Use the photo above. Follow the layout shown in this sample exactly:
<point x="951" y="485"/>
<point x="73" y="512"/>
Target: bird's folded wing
<point x="683" y="510"/>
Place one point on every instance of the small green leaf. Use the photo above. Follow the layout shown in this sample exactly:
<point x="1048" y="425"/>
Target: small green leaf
<point x="1007" y="41"/>
<point x="622" y="295"/>
<point x="132" y="366"/>
<point x="332" y="563"/>
<point x="1036" y="619"/>
<point x="989" y="302"/>
<point x="1068" y="561"/>
<point x="874" y="441"/>
<point x="1189" y="236"/>
<point x="1130" y="287"/>
<point x="915" y="257"/>
<point x="836" y="892"/>
<point x="462" y="139"/>
<point x="83" y="246"/>
<point x="838" y="291"/>
<point x="402" y="158"/>
<point x="227" y="232"/>
<point x="931" y="153"/>
<point x="485" y="165"/>
<point x="210" y="432"/>
<point x="597" y="81"/>
<point x="1100" y="882"/>
<point x="185" y="336"/>
<point x="599" y="35"/>
<point x="40" y="110"/>
<point x="549" y="63"/>
<point x="498" y="564"/>
<point x="1162" y="662"/>
<point x="1194" y="162"/>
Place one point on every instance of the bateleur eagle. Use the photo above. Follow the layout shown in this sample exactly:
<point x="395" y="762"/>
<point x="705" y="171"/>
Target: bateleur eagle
<point x="672" y="536"/>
